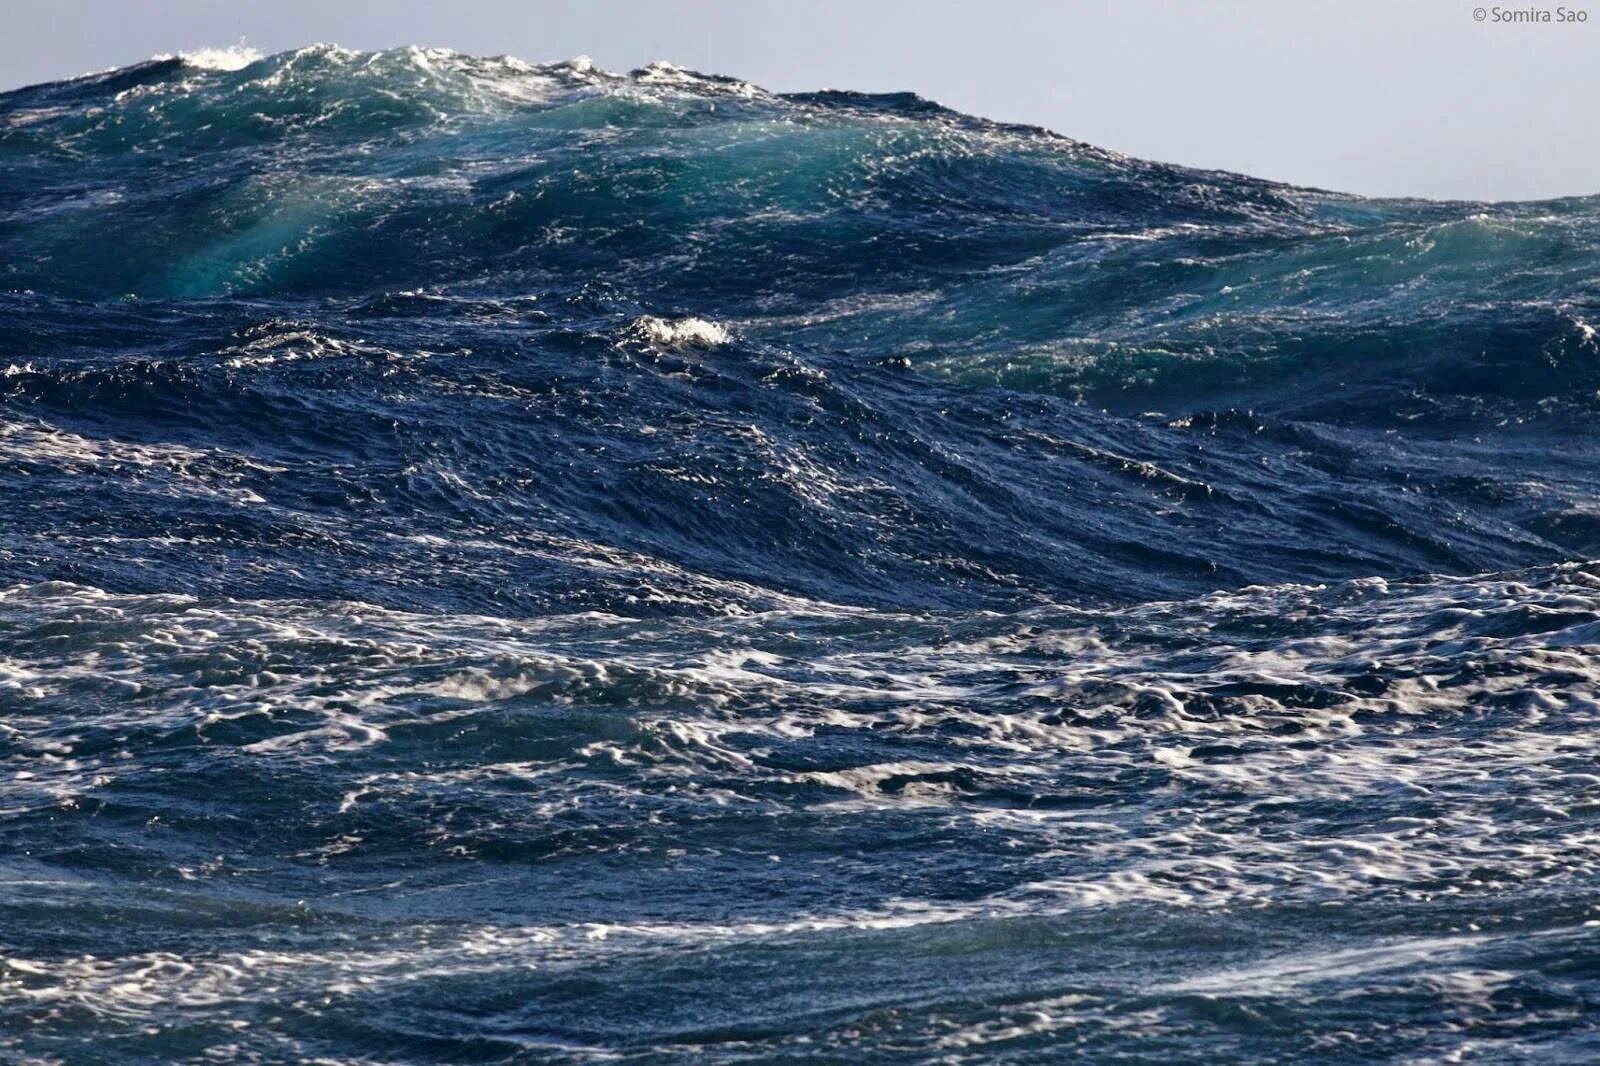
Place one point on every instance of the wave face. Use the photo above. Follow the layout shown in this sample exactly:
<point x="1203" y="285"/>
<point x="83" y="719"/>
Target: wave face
<point x="525" y="562"/>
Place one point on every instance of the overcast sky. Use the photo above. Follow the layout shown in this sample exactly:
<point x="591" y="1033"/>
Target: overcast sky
<point x="1400" y="97"/>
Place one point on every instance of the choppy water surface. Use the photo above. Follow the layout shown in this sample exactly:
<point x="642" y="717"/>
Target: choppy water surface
<point x="528" y="563"/>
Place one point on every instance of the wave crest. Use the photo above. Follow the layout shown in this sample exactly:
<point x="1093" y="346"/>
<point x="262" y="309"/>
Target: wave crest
<point x="232" y="57"/>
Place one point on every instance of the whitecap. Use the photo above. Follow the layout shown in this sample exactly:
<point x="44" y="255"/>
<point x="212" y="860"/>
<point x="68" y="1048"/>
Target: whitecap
<point x="680" y="332"/>
<point x="233" y="57"/>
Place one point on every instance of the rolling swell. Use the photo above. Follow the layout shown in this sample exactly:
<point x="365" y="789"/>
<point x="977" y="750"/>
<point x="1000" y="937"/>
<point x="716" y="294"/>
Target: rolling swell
<point x="458" y="510"/>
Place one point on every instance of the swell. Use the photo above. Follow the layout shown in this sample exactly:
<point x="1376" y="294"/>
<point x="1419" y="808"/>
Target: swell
<point x="304" y="448"/>
<point x="994" y="254"/>
<point x="848" y="348"/>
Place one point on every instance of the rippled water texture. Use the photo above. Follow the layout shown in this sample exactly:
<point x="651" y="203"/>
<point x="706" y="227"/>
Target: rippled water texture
<point x="514" y="563"/>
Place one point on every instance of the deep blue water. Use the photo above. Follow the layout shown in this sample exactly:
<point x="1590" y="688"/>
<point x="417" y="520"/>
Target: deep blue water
<point x="508" y="563"/>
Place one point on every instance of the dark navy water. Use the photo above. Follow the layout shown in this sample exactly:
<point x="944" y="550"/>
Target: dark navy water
<point x="510" y="563"/>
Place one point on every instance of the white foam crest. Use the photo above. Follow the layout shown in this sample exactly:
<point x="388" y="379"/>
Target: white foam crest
<point x="232" y="57"/>
<point x="662" y="74"/>
<point x="679" y="332"/>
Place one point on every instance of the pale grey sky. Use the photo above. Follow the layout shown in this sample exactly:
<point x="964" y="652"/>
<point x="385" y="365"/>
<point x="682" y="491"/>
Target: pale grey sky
<point x="1397" y="97"/>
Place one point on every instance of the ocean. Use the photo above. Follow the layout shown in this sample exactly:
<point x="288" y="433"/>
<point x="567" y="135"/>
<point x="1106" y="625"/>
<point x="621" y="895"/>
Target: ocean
<point x="508" y="562"/>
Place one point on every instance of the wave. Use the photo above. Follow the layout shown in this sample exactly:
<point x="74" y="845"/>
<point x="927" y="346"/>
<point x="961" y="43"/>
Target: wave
<point x="1046" y="263"/>
<point x="901" y="333"/>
